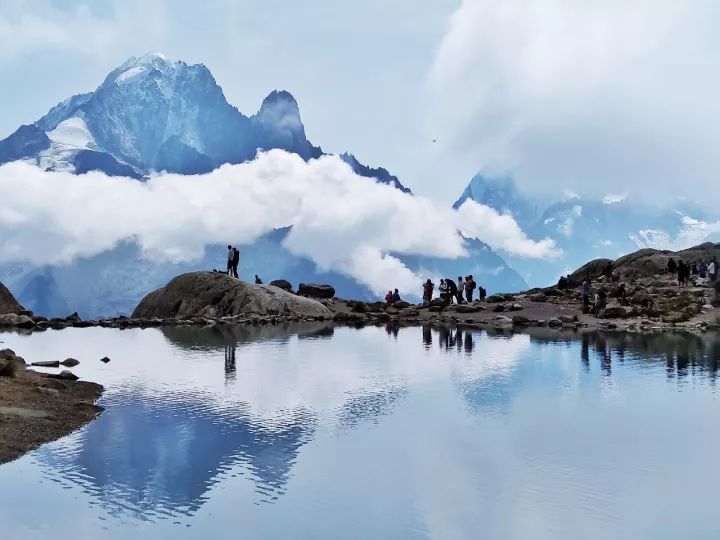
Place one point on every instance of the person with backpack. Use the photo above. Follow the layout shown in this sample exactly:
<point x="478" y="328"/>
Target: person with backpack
<point x="258" y="281"/>
<point x="451" y="289"/>
<point x="469" y="288"/>
<point x="389" y="297"/>
<point x="428" y="291"/>
<point x="460" y="290"/>
<point x="396" y="296"/>
<point x="235" y="262"/>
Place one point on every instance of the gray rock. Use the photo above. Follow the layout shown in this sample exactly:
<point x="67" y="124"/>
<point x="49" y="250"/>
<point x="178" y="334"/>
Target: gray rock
<point x="565" y="319"/>
<point x="555" y="323"/>
<point x="282" y="284"/>
<point x="316" y="291"/>
<point x="64" y="375"/>
<point x="70" y="362"/>
<point x="47" y="363"/>
<point x="8" y="304"/>
<point x="9" y="354"/>
<point x="197" y="294"/>
<point x="469" y="308"/>
<point x="47" y="391"/>
<point x="520" y="320"/>
<point x="539" y="297"/>
<point x="615" y="312"/>
<point x="401" y="304"/>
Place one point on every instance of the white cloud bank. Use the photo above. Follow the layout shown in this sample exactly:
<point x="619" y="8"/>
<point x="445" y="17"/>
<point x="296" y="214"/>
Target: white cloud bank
<point x="341" y="221"/>
<point x="599" y="96"/>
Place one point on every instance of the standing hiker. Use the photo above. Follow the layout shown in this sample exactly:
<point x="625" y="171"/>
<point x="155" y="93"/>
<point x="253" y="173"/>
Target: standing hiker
<point x="451" y="289"/>
<point x="428" y="291"/>
<point x="230" y="257"/>
<point x="469" y="288"/>
<point x="586" y="295"/>
<point x="460" y="290"/>
<point x="235" y="261"/>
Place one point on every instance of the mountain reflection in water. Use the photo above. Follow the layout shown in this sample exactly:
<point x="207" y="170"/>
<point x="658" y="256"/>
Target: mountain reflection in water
<point x="264" y="392"/>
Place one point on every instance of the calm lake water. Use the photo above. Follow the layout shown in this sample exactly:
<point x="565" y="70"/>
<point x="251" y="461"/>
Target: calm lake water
<point x="314" y="432"/>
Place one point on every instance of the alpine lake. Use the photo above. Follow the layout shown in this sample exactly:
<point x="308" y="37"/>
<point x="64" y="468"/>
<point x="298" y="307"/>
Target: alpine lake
<point x="316" y="431"/>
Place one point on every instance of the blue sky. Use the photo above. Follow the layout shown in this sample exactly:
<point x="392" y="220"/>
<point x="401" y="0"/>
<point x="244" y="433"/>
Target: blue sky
<point x="597" y="97"/>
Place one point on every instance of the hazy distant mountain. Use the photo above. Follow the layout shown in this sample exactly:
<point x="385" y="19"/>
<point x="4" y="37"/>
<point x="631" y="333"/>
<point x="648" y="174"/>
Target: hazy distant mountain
<point x="585" y="228"/>
<point x="154" y="114"/>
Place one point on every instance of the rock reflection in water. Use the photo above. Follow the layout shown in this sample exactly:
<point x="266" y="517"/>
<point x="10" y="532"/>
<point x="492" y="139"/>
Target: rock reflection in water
<point x="158" y="451"/>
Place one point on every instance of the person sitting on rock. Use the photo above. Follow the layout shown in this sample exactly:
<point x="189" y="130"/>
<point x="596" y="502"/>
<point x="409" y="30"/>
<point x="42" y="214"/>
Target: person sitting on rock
<point x="258" y="281"/>
<point x="482" y="293"/>
<point x="389" y="297"/>
<point x="396" y="296"/>
<point x="702" y="270"/>
<point x="562" y="283"/>
<point x="460" y="290"/>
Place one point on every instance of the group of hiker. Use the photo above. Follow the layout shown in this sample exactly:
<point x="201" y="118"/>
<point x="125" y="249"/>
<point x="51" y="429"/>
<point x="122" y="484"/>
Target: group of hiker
<point x="392" y="297"/>
<point x="704" y="271"/>
<point x="460" y="291"/>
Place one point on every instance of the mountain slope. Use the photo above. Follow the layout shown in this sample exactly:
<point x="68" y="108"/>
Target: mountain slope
<point x="154" y="114"/>
<point x="588" y="229"/>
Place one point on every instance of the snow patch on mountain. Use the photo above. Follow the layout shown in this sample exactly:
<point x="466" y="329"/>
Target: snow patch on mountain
<point x="72" y="133"/>
<point x="614" y="198"/>
<point x="692" y="233"/>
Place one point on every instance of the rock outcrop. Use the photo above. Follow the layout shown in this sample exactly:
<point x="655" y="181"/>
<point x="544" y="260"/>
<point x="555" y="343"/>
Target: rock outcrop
<point x="8" y="304"/>
<point x="211" y="294"/>
<point x="316" y="291"/>
<point x="283" y="284"/>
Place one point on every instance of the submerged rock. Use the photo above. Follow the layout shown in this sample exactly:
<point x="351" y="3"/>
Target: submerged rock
<point x="210" y="294"/>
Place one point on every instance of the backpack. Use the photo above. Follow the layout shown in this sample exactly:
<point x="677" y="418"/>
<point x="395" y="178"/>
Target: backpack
<point x="236" y="256"/>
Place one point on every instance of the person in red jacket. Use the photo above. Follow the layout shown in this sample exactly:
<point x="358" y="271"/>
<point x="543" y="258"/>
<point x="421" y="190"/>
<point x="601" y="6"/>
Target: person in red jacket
<point x="389" y="297"/>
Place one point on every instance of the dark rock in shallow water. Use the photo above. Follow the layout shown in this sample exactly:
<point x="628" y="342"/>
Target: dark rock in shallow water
<point x="47" y="363"/>
<point x="316" y="291"/>
<point x="70" y="362"/>
<point x="104" y="359"/>
<point x="282" y="283"/>
<point x="210" y="295"/>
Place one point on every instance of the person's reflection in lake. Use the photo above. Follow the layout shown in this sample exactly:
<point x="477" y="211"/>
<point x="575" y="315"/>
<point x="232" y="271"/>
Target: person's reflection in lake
<point x="469" y="344"/>
<point x="230" y="366"/>
<point x="444" y="336"/>
<point x="427" y="336"/>
<point x="585" y="352"/>
<point x="392" y="328"/>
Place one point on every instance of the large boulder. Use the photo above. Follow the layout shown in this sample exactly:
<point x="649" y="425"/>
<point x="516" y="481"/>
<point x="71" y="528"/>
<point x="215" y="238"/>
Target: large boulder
<point x="212" y="294"/>
<point x="282" y="284"/>
<point x="8" y="304"/>
<point x="316" y="291"/>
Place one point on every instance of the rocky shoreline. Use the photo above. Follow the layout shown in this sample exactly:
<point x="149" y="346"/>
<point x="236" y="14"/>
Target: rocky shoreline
<point x="37" y="408"/>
